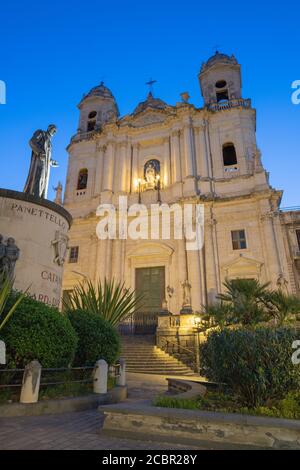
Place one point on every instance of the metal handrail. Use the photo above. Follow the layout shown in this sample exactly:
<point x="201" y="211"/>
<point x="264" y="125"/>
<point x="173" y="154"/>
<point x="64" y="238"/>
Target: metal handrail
<point x="180" y="346"/>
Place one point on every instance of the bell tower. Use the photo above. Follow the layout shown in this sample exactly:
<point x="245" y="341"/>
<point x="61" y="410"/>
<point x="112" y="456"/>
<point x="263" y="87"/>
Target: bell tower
<point x="220" y="79"/>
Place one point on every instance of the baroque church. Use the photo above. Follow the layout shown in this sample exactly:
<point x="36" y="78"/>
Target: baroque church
<point x="178" y="154"/>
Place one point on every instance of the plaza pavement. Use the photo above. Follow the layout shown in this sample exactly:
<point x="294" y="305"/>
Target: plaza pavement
<point x="81" y="430"/>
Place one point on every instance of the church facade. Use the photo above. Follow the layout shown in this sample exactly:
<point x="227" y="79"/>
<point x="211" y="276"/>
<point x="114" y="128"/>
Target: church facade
<point x="179" y="154"/>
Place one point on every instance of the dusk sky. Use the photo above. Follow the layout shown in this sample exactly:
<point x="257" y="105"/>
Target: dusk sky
<point x="54" y="52"/>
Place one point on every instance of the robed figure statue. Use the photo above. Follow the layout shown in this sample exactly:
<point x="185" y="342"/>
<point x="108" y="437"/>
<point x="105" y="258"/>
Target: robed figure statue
<point x="39" y="171"/>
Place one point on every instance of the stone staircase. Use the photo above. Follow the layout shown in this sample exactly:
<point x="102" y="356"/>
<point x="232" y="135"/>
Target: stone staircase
<point x="142" y="356"/>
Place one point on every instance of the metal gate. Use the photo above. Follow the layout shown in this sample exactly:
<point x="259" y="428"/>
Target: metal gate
<point x="140" y="323"/>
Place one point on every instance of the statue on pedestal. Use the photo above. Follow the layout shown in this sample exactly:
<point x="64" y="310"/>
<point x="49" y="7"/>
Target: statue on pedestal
<point x="38" y="176"/>
<point x="58" y="196"/>
<point x="9" y="255"/>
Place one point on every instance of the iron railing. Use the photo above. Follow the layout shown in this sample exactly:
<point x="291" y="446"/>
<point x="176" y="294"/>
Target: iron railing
<point x="234" y="103"/>
<point x="174" y="348"/>
<point x="139" y="323"/>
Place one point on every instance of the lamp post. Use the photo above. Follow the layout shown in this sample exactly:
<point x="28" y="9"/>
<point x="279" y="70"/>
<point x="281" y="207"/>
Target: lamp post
<point x="197" y="324"/>
<point x="158" y="188"/>
<point x="139" y="181"/>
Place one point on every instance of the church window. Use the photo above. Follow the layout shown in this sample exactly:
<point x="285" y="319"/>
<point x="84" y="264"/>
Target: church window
<point x="229" y="154"/>
<point x="91" y="121"/>
<point x="298" y="238"/>
<point x="82" y="179"/>
<point x="238" y="238"/>
<point x="221" y="84"/>
<point x="221" y="92"/>
<point x="74" y="252"/>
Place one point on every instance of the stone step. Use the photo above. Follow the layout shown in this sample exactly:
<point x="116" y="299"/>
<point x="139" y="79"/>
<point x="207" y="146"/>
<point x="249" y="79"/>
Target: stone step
<point x="143" y="357"/>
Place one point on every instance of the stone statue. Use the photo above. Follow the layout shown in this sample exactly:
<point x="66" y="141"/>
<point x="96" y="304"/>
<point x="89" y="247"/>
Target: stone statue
<point x="186" y="286"/>
<point x="9" y="254"/>
<point x="38" y="176"/>
<point x="150" y="175"/>
<point x="58" y="196"/>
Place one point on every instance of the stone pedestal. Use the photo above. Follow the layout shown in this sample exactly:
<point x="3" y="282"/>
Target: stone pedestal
<point x="177" y="335"/>
<point x="40" y="229"/>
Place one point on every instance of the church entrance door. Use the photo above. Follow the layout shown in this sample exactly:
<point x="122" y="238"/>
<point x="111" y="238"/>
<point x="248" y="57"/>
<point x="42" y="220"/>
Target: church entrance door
<point x="150" y="283"/>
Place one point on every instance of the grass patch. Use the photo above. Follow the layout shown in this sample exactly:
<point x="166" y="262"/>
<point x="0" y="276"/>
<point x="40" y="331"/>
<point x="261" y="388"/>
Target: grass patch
<point x="288" y="407"/>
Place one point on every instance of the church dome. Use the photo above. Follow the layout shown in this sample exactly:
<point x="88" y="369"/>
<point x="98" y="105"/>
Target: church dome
<point x="100" y="98"/>
<point x="219" y="58"/>
<point x="151" y="102"/>
<point x="101" y="91"/>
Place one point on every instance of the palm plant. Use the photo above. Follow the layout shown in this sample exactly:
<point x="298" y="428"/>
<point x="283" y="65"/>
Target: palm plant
<point x="110" y="300"/>
<point x="248" y="299"/>
<point x="217" y="314"/>
<point x="283" y="307"/>
<point x="5" y="290"/>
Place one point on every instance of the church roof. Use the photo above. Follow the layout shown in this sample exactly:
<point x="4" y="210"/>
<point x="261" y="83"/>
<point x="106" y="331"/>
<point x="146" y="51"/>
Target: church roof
<point x="219" y="57"/>
<point x="150" y="102"/>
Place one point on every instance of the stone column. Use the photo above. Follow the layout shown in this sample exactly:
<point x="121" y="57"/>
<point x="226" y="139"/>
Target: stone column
<point x="211" y="259"/>
<point x="122" y="163"/>
<point x="195" y="279"/>
<point x="202" y="154"/>
<point x="117" y="249"/>
<point x="272" y="252"/>
<point x="99" y="170"/>
<point x="108" y="172"/>
<point x="135" y="175"/>
<point x="176" y="163"/>
<point x="188" y="151"/>
<point x="166" y="177"/>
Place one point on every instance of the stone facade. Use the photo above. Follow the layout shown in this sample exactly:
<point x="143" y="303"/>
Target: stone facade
<point x="206" y="155"/>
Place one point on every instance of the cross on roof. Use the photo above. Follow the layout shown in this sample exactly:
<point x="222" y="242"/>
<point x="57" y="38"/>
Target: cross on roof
<point x="150" y="84"/>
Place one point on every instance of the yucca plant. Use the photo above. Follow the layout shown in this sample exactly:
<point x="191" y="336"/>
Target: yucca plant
<point x="110" y="300"/>
<point x="5" y="290"/>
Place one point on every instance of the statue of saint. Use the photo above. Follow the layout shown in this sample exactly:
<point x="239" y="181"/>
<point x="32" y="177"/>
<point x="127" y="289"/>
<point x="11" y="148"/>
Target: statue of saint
<point x="58" y="196"/>
<point x="38" y="176"/>
<point x="9" y="254"/>
<point x="150" y="176"/>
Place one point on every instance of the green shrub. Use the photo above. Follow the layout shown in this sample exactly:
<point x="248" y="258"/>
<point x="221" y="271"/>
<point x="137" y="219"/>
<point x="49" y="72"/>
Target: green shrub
<point x="37" y="331"/>
<point x="97" y="339"/>
<point x="173" y="402"/>
<point x="255" y="363"/>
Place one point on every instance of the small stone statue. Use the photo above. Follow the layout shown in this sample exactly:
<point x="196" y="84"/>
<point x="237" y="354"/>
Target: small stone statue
<point x="38" y="176"/>
<point x="186" y="294"/>
<point x="9" y="254"/>
<point x="58" y="196"/>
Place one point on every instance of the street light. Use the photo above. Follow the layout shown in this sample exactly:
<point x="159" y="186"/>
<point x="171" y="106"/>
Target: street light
<point x="139" y="189"/>
<point x="198" y="327"/>
<point x="158" y="188"/>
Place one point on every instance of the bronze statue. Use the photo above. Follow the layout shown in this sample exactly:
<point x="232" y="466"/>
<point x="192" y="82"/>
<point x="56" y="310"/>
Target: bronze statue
<point x="38" y="176"/>
<point x="9" y="254"/>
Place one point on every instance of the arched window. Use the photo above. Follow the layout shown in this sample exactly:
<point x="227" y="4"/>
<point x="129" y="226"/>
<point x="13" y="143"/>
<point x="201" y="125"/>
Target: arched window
<point x="229" y="154"/>
<point x="82" y="179"/>
<point x="221" y="91"/>
<point x="91" y="121"/>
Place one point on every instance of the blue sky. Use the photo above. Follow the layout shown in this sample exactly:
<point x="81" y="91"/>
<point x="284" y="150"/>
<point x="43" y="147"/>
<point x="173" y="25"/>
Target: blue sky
<point x="53" y="52"/>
